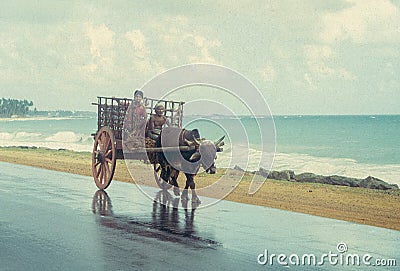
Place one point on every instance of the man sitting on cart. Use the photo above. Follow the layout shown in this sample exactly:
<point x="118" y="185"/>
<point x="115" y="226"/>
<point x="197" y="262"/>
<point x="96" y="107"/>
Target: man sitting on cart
<point x="157" y="122"/>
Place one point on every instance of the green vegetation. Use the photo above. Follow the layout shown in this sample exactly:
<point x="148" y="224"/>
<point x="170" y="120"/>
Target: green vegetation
<point x="22" y="108"/>
<point x="10" y="107"/>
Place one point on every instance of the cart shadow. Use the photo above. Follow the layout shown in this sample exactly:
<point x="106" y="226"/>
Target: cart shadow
<point x="166" y="222"/>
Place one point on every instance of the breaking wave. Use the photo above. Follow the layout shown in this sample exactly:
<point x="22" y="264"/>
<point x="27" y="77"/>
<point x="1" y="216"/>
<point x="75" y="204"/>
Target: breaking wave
<point x="59" y="140"/>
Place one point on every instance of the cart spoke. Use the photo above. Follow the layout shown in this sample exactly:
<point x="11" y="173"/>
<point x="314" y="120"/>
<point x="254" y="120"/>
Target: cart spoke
<point x="98" y="171"/>
<point x="108" y="160"/>
<point x="99" y="143"/>
<point x="108" y="144"/>
<point x="101" y="173"/>
<point x="101" y="138"/>
<point x="103" y="143"/>
<point x="105" y="138"/>
<point x="105" y="172"/>
<point x="107" y="169"/>
<point x="97" y="163"/>
<point x="107" y="153"/>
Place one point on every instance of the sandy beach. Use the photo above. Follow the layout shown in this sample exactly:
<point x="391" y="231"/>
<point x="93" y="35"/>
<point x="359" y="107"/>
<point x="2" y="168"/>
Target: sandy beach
<point x="360" y="205"/>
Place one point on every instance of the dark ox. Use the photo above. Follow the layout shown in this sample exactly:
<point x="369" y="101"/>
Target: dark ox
<point x="198" y="153"/>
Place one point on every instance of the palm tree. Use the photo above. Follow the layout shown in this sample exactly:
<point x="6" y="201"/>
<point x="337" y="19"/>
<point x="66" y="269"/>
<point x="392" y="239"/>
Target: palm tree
<point x="9" y="107"/>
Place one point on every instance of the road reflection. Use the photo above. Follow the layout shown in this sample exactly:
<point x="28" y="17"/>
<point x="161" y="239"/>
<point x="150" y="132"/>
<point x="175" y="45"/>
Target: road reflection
<point x="101" y="203"/>
<point x="167" y="222"/>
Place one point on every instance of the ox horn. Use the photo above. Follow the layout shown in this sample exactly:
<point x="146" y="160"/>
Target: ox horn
<point x="189" y="143"/>
<point x="219" y="142"/>
<point x="198" y="142"/>
<point x="194" y="156"/>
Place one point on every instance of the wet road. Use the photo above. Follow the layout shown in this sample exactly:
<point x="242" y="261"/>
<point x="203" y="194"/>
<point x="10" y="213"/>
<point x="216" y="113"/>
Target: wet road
<point x="58" y="221"/>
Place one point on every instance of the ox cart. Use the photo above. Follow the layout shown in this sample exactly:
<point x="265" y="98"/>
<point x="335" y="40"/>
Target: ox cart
<point x="108" y="140"/>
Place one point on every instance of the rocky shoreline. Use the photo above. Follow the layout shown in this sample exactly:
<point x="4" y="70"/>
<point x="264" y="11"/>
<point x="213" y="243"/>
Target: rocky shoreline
<point x="289" y="175"/>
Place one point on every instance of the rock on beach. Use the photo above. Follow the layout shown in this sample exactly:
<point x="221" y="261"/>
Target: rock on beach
<point x="289" y="175"/>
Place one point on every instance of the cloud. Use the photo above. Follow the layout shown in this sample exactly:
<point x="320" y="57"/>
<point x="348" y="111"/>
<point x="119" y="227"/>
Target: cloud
<point x="320" y="61"/>
<point x="318" y="52"/>
<point x="89" y="68"/>
<point x="141" y="59"/>
<point x="310" y="81"/>
<point x="138" y="40"/>
<point x="345" y="74"/>
<point x="316" y="57"/>
<point x="166" y="41"/>
<point x="365" y="21"/>
<point x="180" y="36"/>
<point x="8" y="49"/>
<point x="149" y="67"/>
<point x="268" y="73"/>
<point x="101" y="39"/>
<point x="84" y="50"/>
<point x="204" y="46"/>
<point x="101" y="45"/>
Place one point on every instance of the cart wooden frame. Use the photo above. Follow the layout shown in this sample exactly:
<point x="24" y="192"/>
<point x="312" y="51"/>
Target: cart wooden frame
<point x="108" y="140"/>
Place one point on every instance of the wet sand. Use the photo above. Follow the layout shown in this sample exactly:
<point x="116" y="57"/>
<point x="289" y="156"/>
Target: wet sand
<point x="360" y="205"/>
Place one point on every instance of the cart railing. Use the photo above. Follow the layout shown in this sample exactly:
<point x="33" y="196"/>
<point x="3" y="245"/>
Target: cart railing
<point x="111" y="112"/>
<point x="173" y="109"/>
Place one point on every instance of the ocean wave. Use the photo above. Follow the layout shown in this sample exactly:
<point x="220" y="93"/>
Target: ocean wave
<point x="59" y="140"/>
<point x="65" y="136"/>
<point x="19" y="136"/>
<point x="6" y="136"/>
<point x="27" y="135"/>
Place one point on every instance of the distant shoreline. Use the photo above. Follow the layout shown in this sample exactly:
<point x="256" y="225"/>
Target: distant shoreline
<point x="41" y="118"/>
<point x="360" y="205"/>
<point x="50" y="115"/>
<point x="33" y="118"/>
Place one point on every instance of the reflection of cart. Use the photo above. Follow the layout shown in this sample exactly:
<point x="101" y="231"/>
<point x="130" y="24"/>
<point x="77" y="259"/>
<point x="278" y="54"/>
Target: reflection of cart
<point x="108" y="144"/>
<point x="165" y="224"/>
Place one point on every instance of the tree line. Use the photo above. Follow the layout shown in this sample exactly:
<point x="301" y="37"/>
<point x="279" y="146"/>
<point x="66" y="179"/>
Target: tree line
<point x="10" y="107"/>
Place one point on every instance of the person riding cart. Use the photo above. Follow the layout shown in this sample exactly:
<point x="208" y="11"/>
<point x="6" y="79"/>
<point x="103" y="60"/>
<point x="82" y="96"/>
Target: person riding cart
<point x="139" y="113"/>
<point x="157" y="122"/>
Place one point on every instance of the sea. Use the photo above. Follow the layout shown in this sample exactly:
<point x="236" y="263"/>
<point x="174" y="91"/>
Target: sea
<point x="354" y="146"/>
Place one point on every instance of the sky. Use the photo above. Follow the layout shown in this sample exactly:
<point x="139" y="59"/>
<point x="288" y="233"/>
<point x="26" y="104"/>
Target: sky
<point x="305" y="57"/>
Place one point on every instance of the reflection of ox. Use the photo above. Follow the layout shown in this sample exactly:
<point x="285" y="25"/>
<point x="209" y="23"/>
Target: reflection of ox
<point x="202" y="153"/>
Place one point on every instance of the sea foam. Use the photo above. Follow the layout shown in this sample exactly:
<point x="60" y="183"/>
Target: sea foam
<point x="60" y="140"/>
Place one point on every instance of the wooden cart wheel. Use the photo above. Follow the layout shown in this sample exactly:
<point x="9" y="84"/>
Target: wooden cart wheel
<point x="103" y="157"/>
